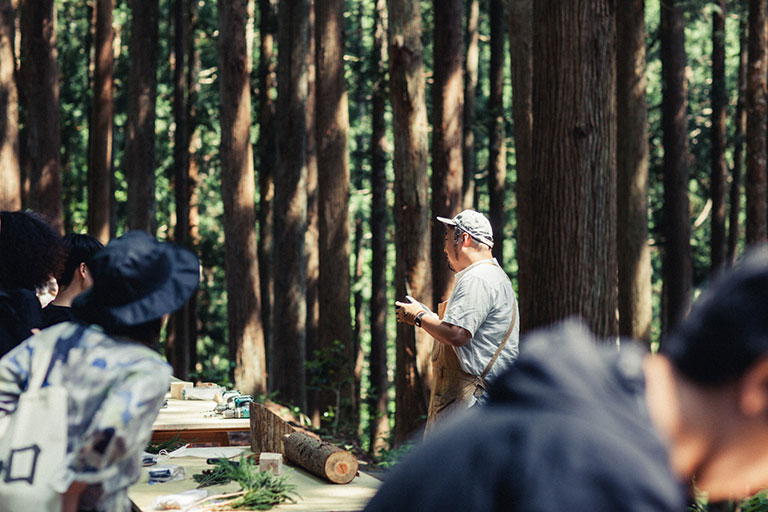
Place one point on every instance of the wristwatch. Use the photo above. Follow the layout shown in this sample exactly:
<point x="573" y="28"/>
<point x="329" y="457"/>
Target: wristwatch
<point x="417" y="320"/>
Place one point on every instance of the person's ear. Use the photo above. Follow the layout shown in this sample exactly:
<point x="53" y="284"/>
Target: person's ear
<point x="83" y="269"/>
<point x="753" y="390"/>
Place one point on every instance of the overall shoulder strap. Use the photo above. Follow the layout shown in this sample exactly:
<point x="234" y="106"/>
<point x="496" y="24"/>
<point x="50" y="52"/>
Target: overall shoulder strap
<point x="501" y="346"/>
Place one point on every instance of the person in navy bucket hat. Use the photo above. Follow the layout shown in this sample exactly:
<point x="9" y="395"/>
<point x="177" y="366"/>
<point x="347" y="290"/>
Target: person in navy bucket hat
<point x="115" y="383"/>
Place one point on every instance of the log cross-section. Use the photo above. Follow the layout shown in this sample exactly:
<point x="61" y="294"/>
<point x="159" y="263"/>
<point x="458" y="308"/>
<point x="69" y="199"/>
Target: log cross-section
<point x="321" y="458"/>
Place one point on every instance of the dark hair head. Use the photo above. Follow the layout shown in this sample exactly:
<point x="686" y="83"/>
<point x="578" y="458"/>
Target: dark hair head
<point x="30" y="250"/>
<point x="727" y="330"/>
<point x="80" y="248"/>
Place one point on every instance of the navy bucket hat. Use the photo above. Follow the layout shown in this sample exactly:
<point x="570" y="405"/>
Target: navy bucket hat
<point x="137" y="279"/>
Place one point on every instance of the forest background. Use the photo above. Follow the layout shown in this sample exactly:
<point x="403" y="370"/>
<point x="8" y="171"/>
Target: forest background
<point x="303" y="148"/>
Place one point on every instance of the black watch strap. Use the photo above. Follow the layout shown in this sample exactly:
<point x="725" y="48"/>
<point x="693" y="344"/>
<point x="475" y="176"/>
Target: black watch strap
<point x="417" y="321"/>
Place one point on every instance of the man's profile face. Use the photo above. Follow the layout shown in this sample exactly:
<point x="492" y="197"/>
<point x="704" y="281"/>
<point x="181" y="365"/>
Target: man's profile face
<point x="451" y="249"/>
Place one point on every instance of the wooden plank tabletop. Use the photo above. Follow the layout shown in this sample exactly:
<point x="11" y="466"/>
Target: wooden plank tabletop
<point x="191" y="415"/>
<point x="316" y="495"/>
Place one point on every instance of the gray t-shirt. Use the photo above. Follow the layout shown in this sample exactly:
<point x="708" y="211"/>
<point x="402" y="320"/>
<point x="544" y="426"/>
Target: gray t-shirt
<point x="483" y="303"/>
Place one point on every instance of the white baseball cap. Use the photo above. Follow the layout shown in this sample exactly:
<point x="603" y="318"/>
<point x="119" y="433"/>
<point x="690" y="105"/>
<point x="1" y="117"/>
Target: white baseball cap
<point x="473" y="223"/>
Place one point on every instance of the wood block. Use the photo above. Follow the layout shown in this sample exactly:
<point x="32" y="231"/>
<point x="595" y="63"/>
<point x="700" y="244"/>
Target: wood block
<point x="177" y="386"/>
<point x="271" y="462"/>
<point x="267" y="430"/>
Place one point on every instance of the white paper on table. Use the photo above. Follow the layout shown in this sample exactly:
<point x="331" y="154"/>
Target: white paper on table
<point x="208" y="452"/>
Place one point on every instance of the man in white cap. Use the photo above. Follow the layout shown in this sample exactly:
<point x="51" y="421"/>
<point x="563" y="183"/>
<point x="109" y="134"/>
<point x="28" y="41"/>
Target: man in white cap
<point x="476" y="333"/>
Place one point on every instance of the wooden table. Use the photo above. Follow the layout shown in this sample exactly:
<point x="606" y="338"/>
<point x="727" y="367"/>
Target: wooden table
<point x="316" y="495"/>
<point x="187" y="419"/>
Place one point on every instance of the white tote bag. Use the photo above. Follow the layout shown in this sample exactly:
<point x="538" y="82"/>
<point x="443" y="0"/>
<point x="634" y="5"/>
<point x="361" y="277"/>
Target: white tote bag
<point x="33" y="443"/>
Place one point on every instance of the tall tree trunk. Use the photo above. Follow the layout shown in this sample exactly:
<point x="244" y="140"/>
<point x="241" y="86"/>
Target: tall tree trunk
<point x="290" y="224"/>
<point x="267" y="153"/>
<point x="332" y="125"/>
<point x="140" y="126"/>
<point x="447" y="111"/>
<point x="10" y="170"/>
<point x="757" y="113"/>
<point x="100" y="132"/>
<point x="312" y="239"/>
<point x="470" y="86"/>
<point x="676" y="225"/>
<point x="40" y="99"/>
<point x="740" y="120"/>
<point x="574" y="166"/>
<point x="246" y="338"/>
<point x="521" y="64"/>
<point x="497" y="151"/>
<point x="377" y="391"/>
<point x="193" y="145"/>
<point x="634" y="255"/>
<point x="358" y="242"/>
<point x="412" y="222"/>
<point x="183" y="335"/>
<point x="719" y="105"/>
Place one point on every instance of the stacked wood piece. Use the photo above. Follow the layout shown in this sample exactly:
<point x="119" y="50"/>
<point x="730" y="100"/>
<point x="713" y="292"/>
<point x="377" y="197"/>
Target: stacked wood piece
<point x="267" y="430"/>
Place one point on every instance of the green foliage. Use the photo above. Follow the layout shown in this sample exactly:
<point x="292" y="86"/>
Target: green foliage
<point x="263" y="490"/>
<point x="172" y="444"/>
<point x="756" y="503"/>
<point x="389" y="458"/>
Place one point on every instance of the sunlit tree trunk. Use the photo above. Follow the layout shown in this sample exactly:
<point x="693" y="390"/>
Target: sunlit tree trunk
<point x="447" y="112"/>
<point x="140" y="126"/>
<point x="497" y="152"/>
<point x="10" y="171"/>
<point x="39" y="91"/>
<point x="470" y="86"/>
<point x="377" y="392"/>
<point x="740" y="120"/>
<point x="411" y="212"/>
<point x="332" y="125"/>
<point x="757" y="113"/>
<point x="634" y="255"/>
<point x="246" y="338"/>
<point x="676" y="224"/>
<point x="290" y="223"/>
<point x="312" y="239"/>
<point x="521" y="51"/>
<point x="574" y="269"/>
<point x="267" y="157"/>
<point x="719" y="102"/>
<point x="100" y="136"/>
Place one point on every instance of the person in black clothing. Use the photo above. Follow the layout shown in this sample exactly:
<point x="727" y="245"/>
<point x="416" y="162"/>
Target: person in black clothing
<point x="577" y="425"/>
<point x="74" y="279"/>
<point x="30" y="253"/>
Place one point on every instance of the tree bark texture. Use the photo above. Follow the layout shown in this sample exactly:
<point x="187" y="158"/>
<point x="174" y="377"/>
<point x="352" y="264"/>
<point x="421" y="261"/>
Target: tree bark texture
<point x="319" y="457"/>
<point x="332" y="125"/>
<point x="184" y="335"/>
<point x="377" y="392"/>
<point x="39" y="90"/>
<point x="574" y="271"/>
<point x="676" y="224"/>
<point x="521" y="65"/>
<point x="469" y="160"/>
<point x="312" y="239"/>
<point x="267" y="158"/>
<point x="140" y="125"/>
<point x="447" y="136"/>
<point x="634" y="255"/>
<point x="497" y="150"/>
<point x="719" y="102"/>
<point x="757" y="114"/>
<point x="10" y="169"/>
<point x="246" y="339"/>
<point x="267" y="429"/>
<point x="412" y="220"/>
<point x="290" y="224"/>
<point x="100" y="136"/>
<point x="740" y="120"/>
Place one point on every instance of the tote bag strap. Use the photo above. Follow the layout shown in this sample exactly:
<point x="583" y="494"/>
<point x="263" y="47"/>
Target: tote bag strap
<point x="41" y="363"/>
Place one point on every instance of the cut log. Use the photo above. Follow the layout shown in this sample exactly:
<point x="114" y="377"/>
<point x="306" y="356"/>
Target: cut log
<point x="321" y="458"/>
<point x="267" y="430"/>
